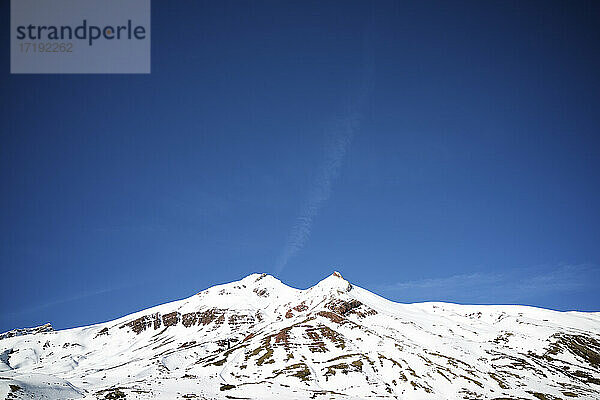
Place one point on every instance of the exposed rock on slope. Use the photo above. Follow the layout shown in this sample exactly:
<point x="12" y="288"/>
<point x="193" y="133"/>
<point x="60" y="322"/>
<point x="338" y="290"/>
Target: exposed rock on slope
<point x="26" y="331"/>
<point x="259" y="339"/>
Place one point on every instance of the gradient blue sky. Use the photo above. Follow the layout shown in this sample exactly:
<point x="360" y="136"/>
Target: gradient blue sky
<point x="428" y="150"/>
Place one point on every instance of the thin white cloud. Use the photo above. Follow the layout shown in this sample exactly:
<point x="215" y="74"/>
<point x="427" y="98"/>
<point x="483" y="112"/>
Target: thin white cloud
<point x="562" y="278"/>
<point x="70" y="299"/>
<point x="509" y="285"/>
<point x="454" y="282"/>
<point x="340" y="137"/>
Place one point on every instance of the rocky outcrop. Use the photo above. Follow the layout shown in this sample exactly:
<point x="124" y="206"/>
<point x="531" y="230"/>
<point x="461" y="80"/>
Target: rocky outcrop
<point x="27" y="331"/>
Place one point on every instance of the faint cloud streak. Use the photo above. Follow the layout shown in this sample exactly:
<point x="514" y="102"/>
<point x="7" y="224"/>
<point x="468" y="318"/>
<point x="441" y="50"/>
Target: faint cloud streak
<point x="320" y="191"/>
<point x="339" y="137"/>
<point x="511" y="285"/>
<point x="73" y="298"/>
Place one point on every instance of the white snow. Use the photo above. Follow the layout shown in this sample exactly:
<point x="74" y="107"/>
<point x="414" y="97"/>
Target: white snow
<point x="258" y="338"/>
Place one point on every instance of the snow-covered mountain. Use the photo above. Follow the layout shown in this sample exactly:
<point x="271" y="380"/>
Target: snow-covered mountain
<point x="260" y="339"/>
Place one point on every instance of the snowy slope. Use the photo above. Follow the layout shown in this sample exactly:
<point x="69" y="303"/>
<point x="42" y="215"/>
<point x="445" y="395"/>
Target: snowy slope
<point x="260" y="339"/>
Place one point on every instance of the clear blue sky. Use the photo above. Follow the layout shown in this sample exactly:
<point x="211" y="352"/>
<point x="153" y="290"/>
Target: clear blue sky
<point x="429" y="151"/>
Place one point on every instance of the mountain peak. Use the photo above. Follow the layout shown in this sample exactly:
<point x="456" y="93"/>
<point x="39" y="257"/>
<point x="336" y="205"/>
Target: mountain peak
<point x="334" y="282"/>
<point x="261" y="279"/>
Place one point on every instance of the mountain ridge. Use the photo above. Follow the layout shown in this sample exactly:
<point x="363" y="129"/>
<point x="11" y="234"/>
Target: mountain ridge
<point x="259" y="338"/>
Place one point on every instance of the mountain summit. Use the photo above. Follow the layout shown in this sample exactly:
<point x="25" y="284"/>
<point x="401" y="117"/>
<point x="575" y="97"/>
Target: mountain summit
<point x="333" y="282"/>
<point x="259" y="339"/>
